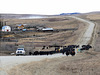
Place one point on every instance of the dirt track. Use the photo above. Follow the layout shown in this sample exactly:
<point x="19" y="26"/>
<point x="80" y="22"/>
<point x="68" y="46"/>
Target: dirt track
<point x="13" y="61"/>
<point x="86" y="37"/>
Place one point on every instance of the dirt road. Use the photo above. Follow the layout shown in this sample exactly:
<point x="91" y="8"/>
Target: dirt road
<point x="86" y="37"/>
<point x="7" y="62"/>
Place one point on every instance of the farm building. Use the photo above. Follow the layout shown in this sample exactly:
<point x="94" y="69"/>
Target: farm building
<point x="47" y="29"/>
<point x="6" y="28"/>
<point x="20" y="26"/>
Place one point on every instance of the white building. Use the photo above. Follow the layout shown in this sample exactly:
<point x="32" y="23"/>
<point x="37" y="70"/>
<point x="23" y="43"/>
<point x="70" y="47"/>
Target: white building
<point x="6" y="28"/>
<point x="47" y="29"/>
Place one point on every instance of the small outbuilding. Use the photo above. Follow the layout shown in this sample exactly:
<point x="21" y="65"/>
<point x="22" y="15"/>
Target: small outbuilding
<point x="6" y="28"/>
<point x="44" y="29"/>
<point x="20" y="26"/>
<point x="47" y="29"/>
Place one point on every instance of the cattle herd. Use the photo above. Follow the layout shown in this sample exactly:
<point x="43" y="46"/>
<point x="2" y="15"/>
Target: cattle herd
<point x="68" y="50"/>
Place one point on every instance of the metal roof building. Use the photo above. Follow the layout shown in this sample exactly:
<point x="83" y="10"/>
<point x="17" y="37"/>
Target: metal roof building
<point x="6" y="28"/>
<point x="47" y="29"/>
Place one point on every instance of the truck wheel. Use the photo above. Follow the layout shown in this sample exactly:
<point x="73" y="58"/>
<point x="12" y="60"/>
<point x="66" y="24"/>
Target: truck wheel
<point x="17" y="55"/>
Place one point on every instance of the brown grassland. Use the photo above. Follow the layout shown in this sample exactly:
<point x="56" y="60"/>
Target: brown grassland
<point x="85" y="63"/>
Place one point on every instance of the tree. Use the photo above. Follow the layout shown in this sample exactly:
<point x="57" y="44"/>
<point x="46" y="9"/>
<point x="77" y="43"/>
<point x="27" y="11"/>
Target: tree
<point x="1" y="24"/>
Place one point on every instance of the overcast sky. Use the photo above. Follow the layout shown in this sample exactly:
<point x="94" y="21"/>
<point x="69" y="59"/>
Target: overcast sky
<point x="48" y="7"/>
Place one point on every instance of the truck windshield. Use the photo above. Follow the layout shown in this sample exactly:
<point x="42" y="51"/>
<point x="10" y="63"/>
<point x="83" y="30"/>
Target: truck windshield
<point x="20" y="49"/>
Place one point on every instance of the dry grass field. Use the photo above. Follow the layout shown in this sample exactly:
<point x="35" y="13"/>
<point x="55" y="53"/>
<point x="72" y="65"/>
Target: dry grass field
<point x="85" y="63"/>
<point x="39" y="39"/>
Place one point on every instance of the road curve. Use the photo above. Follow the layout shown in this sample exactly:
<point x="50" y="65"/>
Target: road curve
<point x="7" y="62"/>
<point x="86" y="37"/>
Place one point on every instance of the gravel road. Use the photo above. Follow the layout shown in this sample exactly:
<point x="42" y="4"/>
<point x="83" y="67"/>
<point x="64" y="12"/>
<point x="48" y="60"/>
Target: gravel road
<point x="86" y="37"/>
<point x="7" y="62"/>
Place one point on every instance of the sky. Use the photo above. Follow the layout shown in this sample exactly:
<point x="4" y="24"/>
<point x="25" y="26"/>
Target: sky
<point x="48" y="7"/>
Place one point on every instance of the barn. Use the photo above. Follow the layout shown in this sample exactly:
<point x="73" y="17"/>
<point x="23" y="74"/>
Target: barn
<point x="6" y="28"/>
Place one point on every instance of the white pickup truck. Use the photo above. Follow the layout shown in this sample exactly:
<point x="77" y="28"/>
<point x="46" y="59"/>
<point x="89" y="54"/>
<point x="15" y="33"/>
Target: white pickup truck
<point x="20" y="51"/>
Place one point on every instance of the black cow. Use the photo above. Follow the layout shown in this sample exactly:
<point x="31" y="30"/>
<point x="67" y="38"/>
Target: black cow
<point x="73" y="46"/>
<point x="86" y="47"/>
<point x="67" y="53"/>
<point x="89" y="46"/>
<point x="36" y="53"/>
<point x="72" y="53"/>
<point x="50" y="46"/>
<point x="77" y="46"/>
<point x="64" y="50"/>
<point x="43" y="47"/>
<point x="52" y="52"/>
<point x="47" y="47"/>
<point x="69" y="50"/>
<point x="30" y="53"/>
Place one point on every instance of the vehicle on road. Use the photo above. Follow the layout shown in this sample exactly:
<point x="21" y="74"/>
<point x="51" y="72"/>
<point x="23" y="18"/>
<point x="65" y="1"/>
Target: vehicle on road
<point x="20" y="51"/>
